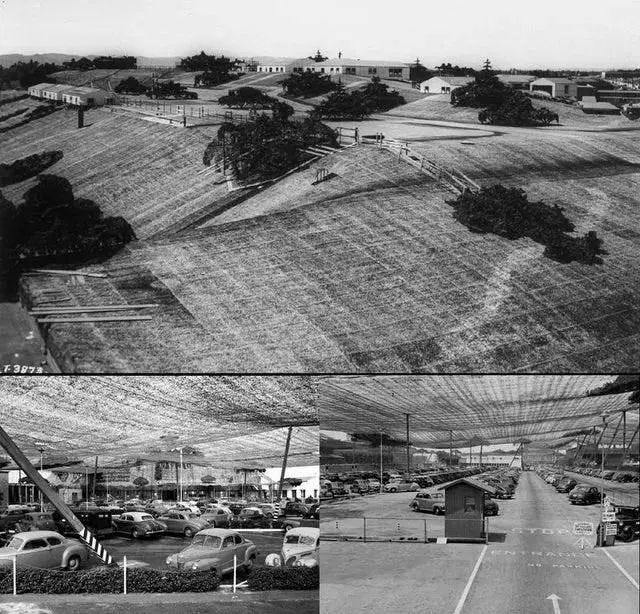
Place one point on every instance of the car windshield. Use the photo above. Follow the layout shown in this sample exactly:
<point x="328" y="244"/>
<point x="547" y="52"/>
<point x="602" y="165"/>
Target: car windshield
<point x="581" y="489"/>
<point x="306" y="540"/>
<point x="146" y="517"/>
<point x="15" y="543"/>
<point x="210" y="541"/>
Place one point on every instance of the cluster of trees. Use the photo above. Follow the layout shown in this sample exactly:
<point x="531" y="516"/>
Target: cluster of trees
<point x="51" y="226"/>
<point x="509" y="213"/>
<point x="455" y="71"/>
<point x="132" y="86"/>
<point x="123" y="62"/>
<point x="358" y="104"/>
<point x="26" y="74"/>
<point x="158" y="90"/>
<point x="501" y="104"/>
<point x="212" y="78"/>
<point x="308" y="85"/>
<point x="266" y="147"/>
<point x="247" y="98"/>
<point x="208" y="63"/>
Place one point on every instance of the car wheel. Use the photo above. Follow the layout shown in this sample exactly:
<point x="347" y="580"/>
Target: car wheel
<point x="626" y="535"/>
<point x="74" y="562"/>
<point x="188" y="532"/>
<point x="212" y="524"/>
<point x="437" y="510"/>
<point x="249" y="564"/>
<point x="136" y="534"/>
<point x="393" y="490"/>
<point x="287" y="527"/>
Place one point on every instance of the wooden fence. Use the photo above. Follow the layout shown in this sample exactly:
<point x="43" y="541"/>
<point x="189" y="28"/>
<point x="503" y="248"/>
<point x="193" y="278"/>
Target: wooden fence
<point x="453" y="179"/>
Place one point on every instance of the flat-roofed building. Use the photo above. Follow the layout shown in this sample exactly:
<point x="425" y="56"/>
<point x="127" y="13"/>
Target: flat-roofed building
<point x="517" y="82"/>
<point x="55" y="92"/>
<point x="88" y="97"/>
<point x="444" y="85"/>
<point x="275" y="65"/>
<point x="370" y="68"/>
<point x="556" y="87"/>
<point x="35" y="91"/>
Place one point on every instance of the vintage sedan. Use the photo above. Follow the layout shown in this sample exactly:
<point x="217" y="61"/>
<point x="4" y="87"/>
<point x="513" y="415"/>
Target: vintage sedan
<point x="251" y="518"/>
<point x="43" y="549"/>
<point x="183" y="523"/>
<point x="428" y="502"/>
<point x="138" y="524"/>
<point x="213" y="550"/>
<point x="217" y="516"/>
<point x="300" y="548"/>
<point x="401" y="487"/>
<point x="583" y="494"/>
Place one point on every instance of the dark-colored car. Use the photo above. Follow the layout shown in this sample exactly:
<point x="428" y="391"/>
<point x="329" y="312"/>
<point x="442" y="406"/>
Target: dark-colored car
<point x="313" y="512"/>
<point x="293" y="508"/>
<point x="491" y="508"/>
<point x="138" y="524"/>
<point x="584" y="494"/>
<point x="566" y="485"/>
<point x="99" y="521"/>
<point x="628" y="520"/>
<point x="251" y="518"/>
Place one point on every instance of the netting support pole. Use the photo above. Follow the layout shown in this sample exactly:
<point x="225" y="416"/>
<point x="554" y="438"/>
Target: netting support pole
<point x="284" y="463"/>
<point x="408" y="449"/>
<point x="450" y="449"/>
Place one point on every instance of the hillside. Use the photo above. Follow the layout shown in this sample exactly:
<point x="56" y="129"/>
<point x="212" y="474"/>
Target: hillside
<point x="370" y="272"/>
<point x="144" y="171"/>
<point x="9" y="59"/>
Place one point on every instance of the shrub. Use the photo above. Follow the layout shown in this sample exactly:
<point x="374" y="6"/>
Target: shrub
<point x="108" y="580"/>
<point x="508" y="213"/>
<point x="24" y="168"/>
<point x="131" y="85"/>
<point x="284" y="578"/>
<point x="247" y="97"/>
<point x="308" y="85"/>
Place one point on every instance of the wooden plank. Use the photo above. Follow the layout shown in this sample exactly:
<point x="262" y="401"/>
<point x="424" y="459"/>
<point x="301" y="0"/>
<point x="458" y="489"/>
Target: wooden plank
<point x="39" y="311"/>
<point x="56" y="272"/>
<point x="62" y="320"/>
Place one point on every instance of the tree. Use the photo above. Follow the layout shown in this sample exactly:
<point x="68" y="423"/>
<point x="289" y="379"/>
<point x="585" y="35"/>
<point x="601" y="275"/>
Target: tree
<point x="318" y="57"/>
<point x="131" y="85"/>
<point x="247" y="97"/>
<point x="419" y="73"/>
<point x="308" y="85"/>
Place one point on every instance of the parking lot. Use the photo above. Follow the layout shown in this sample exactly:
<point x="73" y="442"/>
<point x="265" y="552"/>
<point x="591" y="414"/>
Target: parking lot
<point x="531" y="555"/>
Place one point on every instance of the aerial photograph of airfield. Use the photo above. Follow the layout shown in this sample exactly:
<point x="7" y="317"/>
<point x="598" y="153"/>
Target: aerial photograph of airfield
<point x="315" y="211"/>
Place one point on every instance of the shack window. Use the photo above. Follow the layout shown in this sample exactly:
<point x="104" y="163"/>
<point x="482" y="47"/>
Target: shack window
<point x="469" y="504"/>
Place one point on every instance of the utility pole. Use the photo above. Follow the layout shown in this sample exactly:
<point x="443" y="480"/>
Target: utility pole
<point x="450" y="449"/>
<point x="41" y="450"/>
<point x="284" y="464"/>
<point x="408" y="449"/>
<point x="381" y="463"/>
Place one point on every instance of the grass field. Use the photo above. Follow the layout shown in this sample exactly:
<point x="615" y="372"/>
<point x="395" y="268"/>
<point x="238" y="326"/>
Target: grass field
<point x="146" y="172"/>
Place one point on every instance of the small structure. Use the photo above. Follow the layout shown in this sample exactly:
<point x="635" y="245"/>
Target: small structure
<point x="599" y="108"/>
<point x="464" y="509"/>
<point x="585" y="90"/>
<point x="444" y="85"/>
<point x="35" y="91"/>
<point x="54" y="93"/>
<point x="88" y="97"/>
<point x="618" y="96"/>
<point x="275" y="65"/>
<point x="556" y="87"/>
<point x="517" y="82"/>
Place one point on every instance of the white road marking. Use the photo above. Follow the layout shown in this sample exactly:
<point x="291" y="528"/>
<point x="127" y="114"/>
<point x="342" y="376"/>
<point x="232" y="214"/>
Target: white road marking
<point x="556" y="605"/>
<point x="622" y="569"/>
<point x="472" y="577"/>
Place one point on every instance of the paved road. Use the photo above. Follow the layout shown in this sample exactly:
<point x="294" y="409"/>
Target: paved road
<point x="532" y="554"/>
<point x="21" y="344"/>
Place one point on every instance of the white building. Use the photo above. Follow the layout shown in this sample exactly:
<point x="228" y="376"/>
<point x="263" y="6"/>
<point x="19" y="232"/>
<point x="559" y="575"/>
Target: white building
<point x="556" y="87"/>
<point x="88" y="96"/>
<point x="35" y="91"/>
<point x="55" y="92"/>
<point x="444" y="85"/>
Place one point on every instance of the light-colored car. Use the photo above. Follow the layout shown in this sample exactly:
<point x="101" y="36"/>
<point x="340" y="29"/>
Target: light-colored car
<point x="300" y="548"/>
<point x="43" y="549"/>
<point x="183" y="523"/>
<point x="374" y="485"/>
<point x="401" y="487"/>
<point x="268" y="509"/>
<point x="428" y="502"/>
<point x="214" y="549"/>
<point x="138" y="524"/>
<point x="217" y="516"/>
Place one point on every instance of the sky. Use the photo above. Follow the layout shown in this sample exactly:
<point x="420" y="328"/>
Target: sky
<point x="545" y="33"/>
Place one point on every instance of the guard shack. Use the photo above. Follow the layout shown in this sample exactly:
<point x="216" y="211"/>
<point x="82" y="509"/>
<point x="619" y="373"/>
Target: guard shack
<point x="464" y="510"/>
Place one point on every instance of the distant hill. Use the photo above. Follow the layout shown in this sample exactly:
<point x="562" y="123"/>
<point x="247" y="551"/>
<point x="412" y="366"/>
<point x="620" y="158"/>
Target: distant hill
<point x="11" y="58"/>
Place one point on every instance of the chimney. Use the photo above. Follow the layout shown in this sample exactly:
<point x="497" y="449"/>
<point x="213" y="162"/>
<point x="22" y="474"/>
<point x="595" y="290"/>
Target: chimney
<point x="80" y="117"/>
<point x="339" y="55"/>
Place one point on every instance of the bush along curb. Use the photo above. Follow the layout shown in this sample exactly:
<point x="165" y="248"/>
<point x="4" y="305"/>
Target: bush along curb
<point x="108" y="580"/>
<point x="284" y="578"/>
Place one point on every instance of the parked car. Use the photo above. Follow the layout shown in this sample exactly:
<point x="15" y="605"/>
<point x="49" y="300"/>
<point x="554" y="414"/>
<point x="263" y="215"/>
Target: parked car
<point x="566" y="485"/>
<point x="300" y="548"/>
<point x="217" y="516"/>
<point x="293" y="508"/>
<point x="183" y="523"/>
<point x="236" y="506"/>
<point x="628" y="520"/>
<point x="313" y="512"/>
<point x="99" y="521"/>
<point x="401" y="487"/>
<point x="38" y="521"/>
<point x="428" y="502"/>
<point x="138" y="524"/>
<point x="584" y="494"/>
<point x="43" y="549"/>
<point x="491" y="508"/>
<point x="251" y="518"/>
<point x="214" y="549"/>
<point x="13" y="514"/>
<point x="374" y="485"/>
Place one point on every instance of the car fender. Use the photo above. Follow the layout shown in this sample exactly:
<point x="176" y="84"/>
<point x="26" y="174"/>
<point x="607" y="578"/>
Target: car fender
<point x="251" y="552"/>
<point x="73" y="550"/>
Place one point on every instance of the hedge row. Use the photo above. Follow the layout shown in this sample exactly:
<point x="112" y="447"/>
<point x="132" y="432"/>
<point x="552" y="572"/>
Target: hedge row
<point x="284" y="578"/>
<point x="37" y="113"/>
<point x="108" y="580"/>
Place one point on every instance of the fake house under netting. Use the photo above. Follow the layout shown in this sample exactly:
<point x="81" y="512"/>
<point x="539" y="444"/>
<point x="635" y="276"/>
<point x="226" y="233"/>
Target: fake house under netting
<point x="562" y="413"/>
